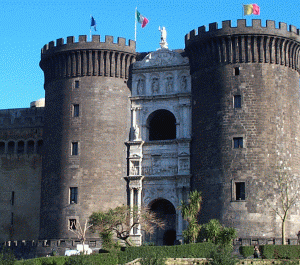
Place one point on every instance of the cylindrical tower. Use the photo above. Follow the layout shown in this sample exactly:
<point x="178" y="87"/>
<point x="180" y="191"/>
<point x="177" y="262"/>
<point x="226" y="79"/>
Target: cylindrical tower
<point x="245" y="125"/>
<point x="87" y="121"/>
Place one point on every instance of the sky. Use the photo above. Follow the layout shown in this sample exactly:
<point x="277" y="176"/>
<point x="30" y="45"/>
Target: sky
<point x="27" y="25"/>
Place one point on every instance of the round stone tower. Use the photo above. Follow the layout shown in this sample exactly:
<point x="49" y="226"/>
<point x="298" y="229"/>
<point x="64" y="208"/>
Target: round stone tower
<point x="87" y="121"/>
<point x="245" y="124"/>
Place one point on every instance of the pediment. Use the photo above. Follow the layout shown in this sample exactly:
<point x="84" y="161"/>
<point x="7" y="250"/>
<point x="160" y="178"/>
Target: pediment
<point x="161" y="58"/>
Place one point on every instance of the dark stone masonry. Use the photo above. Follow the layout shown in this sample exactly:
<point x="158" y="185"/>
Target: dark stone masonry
<point x="63" y="161"/>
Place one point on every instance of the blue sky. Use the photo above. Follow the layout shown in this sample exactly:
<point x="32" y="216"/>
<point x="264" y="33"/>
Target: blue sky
<point x="27" y="25"/>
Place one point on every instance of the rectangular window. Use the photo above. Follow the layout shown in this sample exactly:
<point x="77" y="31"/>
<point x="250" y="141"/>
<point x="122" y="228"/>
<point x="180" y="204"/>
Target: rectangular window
<point x="236" y="71"/>
<point x="74" y="148"/>
<point x="237" y="101"/>
<point x="73" y="195"/>
<point x="76" y="84"/>
<point x="12" y="198"/>
<point x="238" y="142"/>
<point x="76" y="110"/>
<point x="72" y="224"/>
<point x="240" y="191"/>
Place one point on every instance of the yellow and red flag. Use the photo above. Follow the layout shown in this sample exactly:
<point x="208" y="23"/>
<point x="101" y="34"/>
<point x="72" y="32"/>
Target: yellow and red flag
<point x="251" y="9"/>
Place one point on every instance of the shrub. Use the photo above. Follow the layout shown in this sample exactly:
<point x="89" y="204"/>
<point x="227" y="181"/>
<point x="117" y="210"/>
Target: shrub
<point x="280" y="251"/>
<point x="246" y="251"/>
<point x="7" y="256"/>
<point x="222" y="255"/>
<point x="194" y="250"/>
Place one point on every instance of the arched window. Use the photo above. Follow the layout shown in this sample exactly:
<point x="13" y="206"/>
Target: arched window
<point x="21" y="147"/>
<point x="2" y="148"/>
<point x="11" y="147"/>
<point x="30" y="147"/>
<point x="162" y="125"/>
<point x="39" y="148"/>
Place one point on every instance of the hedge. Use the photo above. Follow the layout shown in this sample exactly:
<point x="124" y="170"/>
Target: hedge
<point x="246" y="251"/>
<point x="280" y="251"/>
<point x="197" y="250"/>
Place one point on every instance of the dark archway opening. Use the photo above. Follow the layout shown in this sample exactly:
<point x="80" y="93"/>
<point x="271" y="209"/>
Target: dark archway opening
<point x="169" y="237"/>
<point x="166" y="211"/>
<point x="162" y="125"/>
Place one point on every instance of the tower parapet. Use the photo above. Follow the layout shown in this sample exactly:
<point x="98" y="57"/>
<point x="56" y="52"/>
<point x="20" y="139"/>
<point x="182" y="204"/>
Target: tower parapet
<point x="87" y="114"/>
<point x="244" y="44"/>
<point x="245" y="122"/>
<point x="83" y="58"/>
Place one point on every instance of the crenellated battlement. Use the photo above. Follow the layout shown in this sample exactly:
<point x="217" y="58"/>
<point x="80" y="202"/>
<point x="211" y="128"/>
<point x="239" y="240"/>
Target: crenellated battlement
<point x="83" y="43"/>
<point x="255" y="29"/>
<point x="83" y="58"/>
<point x="244" y="44"/>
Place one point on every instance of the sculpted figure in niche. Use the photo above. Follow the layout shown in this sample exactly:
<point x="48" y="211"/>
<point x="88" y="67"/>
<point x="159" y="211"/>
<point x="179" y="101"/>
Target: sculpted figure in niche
<point x="155" y="86"/>
<point x="136" y="132"/>
<point x="134" y="168"/>
<point x="184" y="83"/>
<point x="169" y="84"/>
<point x="140" y="87"/>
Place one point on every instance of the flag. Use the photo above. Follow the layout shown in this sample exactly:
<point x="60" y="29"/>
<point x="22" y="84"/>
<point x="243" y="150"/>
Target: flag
<point x="93" y="23"/>
<point x="252" y="9"/>
<point x="141" y="19"/>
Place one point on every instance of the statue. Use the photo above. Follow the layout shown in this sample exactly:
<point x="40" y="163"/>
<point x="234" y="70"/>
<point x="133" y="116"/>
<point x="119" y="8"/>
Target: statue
<point x="183" y="83"/>
<point x="169" y="84"/>
<point x="136" y="132"/>
<point x="140" y="87"/>
<point x="155" y="87"/>
<point x="163" y="39"/>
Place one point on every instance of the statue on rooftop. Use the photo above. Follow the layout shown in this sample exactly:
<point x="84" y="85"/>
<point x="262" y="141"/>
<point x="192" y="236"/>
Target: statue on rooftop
<point x="163" y="39"/>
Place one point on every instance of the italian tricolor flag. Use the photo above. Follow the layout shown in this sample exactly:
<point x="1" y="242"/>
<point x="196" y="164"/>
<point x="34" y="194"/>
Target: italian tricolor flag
<point x="141" y="19"/>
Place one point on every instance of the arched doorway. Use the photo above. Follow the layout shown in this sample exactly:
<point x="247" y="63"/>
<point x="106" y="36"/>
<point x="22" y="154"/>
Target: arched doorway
<point x="166" y="211"/>
<point x="162" y="125"/>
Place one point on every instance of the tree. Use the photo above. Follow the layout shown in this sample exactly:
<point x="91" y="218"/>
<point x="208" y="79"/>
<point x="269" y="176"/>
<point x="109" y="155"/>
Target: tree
<point x="286" y="193"/>
<point x="76" y="228"/>
<point x="190" y="212"/>
<point x="122" y="219"/>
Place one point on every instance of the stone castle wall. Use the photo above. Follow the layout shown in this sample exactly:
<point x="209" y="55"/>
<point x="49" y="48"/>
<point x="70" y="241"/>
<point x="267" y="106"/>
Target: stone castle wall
<point x="21" y="147"/>
<point x="93" y="76"/>
<point x="260" y="66"/>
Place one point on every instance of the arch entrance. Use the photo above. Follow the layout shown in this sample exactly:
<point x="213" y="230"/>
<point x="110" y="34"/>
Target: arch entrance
<point x="166" y="211"/>
<point x="162" y="125"/>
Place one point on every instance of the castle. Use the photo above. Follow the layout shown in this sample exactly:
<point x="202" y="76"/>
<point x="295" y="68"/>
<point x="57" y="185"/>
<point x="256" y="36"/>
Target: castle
<point x="120" y="127"/>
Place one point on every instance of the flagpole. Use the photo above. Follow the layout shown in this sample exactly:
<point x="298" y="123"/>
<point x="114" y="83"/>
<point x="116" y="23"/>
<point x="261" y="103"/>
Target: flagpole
<point x="135" y="25"/>
<point x="243" y="11"/>
<point x="91" y="30"/>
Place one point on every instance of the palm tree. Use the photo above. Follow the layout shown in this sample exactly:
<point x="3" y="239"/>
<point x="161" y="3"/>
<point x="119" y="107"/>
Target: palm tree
<point x="190" y="211"/>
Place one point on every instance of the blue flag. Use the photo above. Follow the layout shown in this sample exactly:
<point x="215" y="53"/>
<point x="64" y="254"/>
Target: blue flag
<point x="93" y="23"/>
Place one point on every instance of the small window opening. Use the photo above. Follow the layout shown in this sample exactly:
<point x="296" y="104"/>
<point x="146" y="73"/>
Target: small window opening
<point x="30" y="147"/>
<point x="12" y="198"/>
<point x="72" y="224"/>
<point x="238" y="142"/>
<point x="11" y="147"/>
<point x="21" y="147"/>
<point x="236" y="71"/>
<point x="73" y="195"/>
<point x="76" y="110"/>
<point x="74" y="148"/>
<point x="237" y="101"/>
<point x="39" y="147"/>
<point x="2" y="148"/>
<point x="240" y="191"/>
<point x="76" y="84"/>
